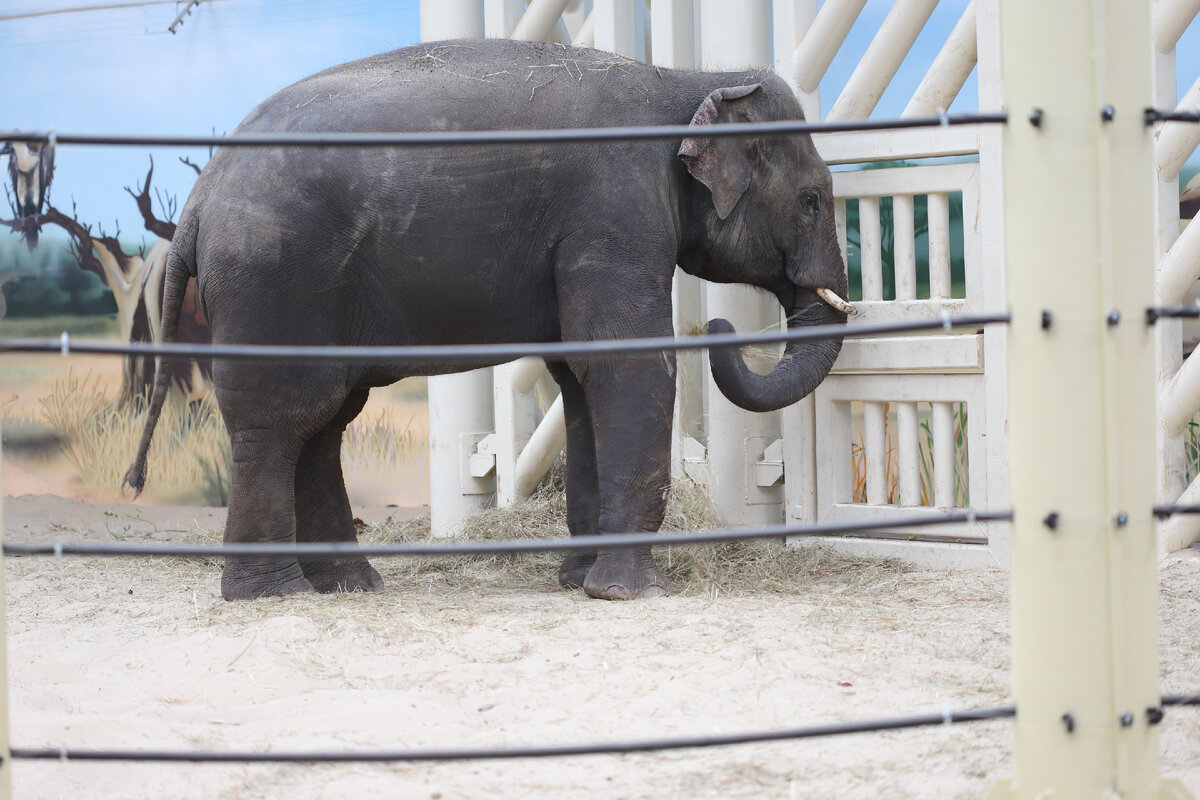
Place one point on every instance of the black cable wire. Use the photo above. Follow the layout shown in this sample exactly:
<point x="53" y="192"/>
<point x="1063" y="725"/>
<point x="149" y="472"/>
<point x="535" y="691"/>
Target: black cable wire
<point x="1156" y="313"/>
<point x="1181" y="699"/>
<point x="1166" y="511"/>
<point x="443" y="354"/>
<point x="620" y="541"/>
<point x="1154" y="115"/>
<point x="946" y="717"/>
<point x="545" y="136"/>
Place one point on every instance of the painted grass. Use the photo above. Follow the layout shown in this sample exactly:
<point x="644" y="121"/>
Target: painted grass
<point x="190" y="459"/>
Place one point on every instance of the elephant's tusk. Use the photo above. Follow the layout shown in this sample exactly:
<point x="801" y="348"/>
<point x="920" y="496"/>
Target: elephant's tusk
<point x="831" y="297"/>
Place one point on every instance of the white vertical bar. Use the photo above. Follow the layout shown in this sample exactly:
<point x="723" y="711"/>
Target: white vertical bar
<point x="616" y="26"/>
<point x="870" y="248"/>
<point x="500" y="17"/>
<point x="460" y="413"/>
<point x="944" y="462"/>
<point x="738" y="36"/>
<point x="839" y="218"/>
<point x="904" y="247"/>
<point x="939" y="245"/>
<point x="1079" y="236"/>
<point x="673" y="33"/>
<point x="909" y="447"/>
<point x="875" y="453"/>
<point x="460" y="406"/>
<point x="791" y="19"/>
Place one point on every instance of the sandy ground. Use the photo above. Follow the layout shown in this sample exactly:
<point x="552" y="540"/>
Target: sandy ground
<point x="107" y="653"/>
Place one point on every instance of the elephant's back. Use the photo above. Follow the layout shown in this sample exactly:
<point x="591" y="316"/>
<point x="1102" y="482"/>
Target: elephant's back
<point x="476" y="84"/>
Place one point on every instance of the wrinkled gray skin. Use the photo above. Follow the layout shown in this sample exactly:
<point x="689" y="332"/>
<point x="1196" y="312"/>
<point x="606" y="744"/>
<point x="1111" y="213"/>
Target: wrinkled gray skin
<point x="458" y="245"/>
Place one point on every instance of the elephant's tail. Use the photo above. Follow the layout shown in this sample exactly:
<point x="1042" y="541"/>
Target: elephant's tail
<point x="174" y="285"/>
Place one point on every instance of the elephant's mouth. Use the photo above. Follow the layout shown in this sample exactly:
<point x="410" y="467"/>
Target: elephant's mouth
<point x="833" y="299"/>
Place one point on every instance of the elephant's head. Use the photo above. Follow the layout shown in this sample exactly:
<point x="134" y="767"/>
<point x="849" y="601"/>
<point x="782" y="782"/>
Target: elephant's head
<point x="760" y="211"/>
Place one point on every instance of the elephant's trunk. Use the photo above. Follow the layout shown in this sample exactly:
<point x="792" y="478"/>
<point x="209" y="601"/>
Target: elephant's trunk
<point x="803" y="365"/>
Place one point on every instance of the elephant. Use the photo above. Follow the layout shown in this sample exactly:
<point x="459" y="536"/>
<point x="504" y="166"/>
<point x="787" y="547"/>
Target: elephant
<point x="492" y="243"/>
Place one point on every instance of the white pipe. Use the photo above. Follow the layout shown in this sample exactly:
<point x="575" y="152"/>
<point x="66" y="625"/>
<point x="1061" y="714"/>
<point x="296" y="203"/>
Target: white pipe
<point x="526" y="372"/>
<point x="1180" y="267"/>
<point x="816" y="51"/>
<point x="539" y="20"/>
<point x="586" y="37"/>
<point x="909" y="445"/>
<point x="1174" y="142"/>
<point x="875" y="445"/>
<point x="1170" y="19"/>
<point x="950" y="70"/>
<point x="1181" y="530"/>
<point x="870" y="248"/>
<point x="1181" y="397"/>
<point x="544" y="446"/>
<point x="879" y="64"/>
<point x="943" y="455"/>
<point x="939" y="244"/>
<point x="904" y="247"/>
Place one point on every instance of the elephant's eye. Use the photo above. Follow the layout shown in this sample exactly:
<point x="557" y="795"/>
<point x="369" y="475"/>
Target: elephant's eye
<point x="811" y="199"/>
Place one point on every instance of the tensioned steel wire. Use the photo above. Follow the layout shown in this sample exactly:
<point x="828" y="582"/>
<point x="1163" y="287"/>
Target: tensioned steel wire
<point x="616" y="541"/>
<point x="441" y="354"/>
<point x="509" y="137"/>
<point x="944" y="717"/>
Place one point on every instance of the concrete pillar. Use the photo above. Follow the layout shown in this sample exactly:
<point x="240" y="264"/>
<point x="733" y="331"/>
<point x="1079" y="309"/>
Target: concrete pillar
<point x="738" y="35"/>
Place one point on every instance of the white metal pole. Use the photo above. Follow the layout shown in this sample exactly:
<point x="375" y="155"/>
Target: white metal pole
<point x="1080" y="241"/>
<point x="460" y="406"/>
<point x="737" y="35"/>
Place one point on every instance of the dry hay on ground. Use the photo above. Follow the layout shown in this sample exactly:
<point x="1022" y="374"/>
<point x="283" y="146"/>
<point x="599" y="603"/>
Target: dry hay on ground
<point x="488" y="652"/>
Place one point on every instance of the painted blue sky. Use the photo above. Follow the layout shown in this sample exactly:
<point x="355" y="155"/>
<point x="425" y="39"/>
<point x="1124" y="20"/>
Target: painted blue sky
<point x="118" y="70"/>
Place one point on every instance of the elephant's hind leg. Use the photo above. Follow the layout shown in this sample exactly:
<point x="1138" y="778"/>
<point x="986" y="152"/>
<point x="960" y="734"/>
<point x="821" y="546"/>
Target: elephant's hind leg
<point x="261" y="511"/>
<point x="323" y="511"/>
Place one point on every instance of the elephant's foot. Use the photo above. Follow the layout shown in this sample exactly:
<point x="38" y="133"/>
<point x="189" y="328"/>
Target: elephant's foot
<point x="625" y="575"/>
<point x="574" y="570"/>
<point x="342" y="575"/>
<point x="248" y="579"/>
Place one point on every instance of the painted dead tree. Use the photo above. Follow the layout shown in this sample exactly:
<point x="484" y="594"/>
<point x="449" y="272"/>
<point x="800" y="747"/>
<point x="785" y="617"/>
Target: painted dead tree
<point x="135" y="279"/>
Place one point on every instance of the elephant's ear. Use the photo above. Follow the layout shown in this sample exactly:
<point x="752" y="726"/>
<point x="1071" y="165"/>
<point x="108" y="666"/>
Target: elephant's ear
<point x="724" y="164"/>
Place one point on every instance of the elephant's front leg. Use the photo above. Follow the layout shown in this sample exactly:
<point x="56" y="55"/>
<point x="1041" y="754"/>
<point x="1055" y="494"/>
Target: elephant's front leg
<point x="631" y="401"/>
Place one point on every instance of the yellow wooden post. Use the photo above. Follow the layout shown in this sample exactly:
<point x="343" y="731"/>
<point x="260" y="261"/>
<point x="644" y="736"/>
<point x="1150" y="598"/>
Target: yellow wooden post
<point x="1080" y="245"/>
